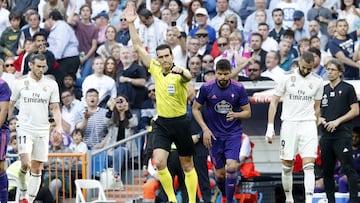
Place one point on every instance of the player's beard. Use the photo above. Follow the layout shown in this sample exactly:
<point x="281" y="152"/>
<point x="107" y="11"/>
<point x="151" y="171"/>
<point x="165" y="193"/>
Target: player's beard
<point x="223" y="83"/>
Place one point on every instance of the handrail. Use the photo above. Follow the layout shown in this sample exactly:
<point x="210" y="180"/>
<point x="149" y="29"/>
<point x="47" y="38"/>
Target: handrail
<point x="123" y="141"/>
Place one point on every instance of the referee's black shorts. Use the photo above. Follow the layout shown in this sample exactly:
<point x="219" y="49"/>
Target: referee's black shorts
<point x="177" y="130"/>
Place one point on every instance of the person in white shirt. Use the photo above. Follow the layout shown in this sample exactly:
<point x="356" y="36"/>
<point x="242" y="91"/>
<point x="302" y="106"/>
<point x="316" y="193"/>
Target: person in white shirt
<point x="273" y="69"/>
<point x="269" y="43"/>
<point x="222" y="7"/>
<point x="71" y="106"/>
<point x="301" y="91"/>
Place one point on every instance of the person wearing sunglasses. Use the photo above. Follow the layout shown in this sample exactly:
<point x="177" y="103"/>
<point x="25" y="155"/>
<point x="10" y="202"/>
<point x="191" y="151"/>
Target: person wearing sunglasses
<point x="205" y="46"/>
<point x="123" y="35"/>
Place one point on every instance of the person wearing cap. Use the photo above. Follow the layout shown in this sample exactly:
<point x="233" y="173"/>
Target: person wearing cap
<point x="201" y="19"/>
<point x="101" y="22"/>
<point x="87" y="35"/>
<point x="63" y="43"/>
<point x="205" y="46"/>
<point x="300" y="26"/>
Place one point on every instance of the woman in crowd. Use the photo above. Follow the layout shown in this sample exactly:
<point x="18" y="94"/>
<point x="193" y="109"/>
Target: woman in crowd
<point x="105" y="49"/>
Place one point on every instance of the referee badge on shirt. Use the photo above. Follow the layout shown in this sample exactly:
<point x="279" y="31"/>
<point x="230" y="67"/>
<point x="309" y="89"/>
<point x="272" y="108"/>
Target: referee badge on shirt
<point x="171" y="89"/>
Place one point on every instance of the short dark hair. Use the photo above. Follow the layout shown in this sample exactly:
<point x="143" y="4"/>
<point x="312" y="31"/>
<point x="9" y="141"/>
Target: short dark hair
<point x="164" y="46"/>
<point x="223" y="64"/>
<point x="14" y="15"/>
<point x="39" y="33"/>
<point x="34" y="56"/>
<point x="145" y="13"/>
<point x="72" y="75"/>
<point x="91" y="90"/>
<point x="263" y="24"/>
<point x="276" y="10"/>
<point x="257" y="34"/>
<point x="289" y="33"/>
<point x="307" y="57"/>
<point x="76" y="131"/>
<point x="315" y="51"/>
<point x="179" y="3"/>
<point x="56" y="15"/>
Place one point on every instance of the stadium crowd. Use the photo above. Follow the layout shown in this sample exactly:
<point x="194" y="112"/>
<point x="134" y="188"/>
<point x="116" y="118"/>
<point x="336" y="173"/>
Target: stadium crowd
<point x="89" y="53"/>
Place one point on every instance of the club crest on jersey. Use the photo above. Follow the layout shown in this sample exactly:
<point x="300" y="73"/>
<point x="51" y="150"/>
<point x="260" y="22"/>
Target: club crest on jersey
<point x="44" y="89"/>
<point x="324" y="101"/>
<point x="293" y="80"/>
<point x="311" y="86"/>
<point x="223" y="107"/>
<point x="26" y="83"/>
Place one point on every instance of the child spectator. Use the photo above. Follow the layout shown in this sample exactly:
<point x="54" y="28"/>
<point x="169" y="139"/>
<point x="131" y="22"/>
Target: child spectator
<point x="77" y="145"/>
<point x="9" y="36"/>
<point x="12" y="148"/>
<point x="12" y="123"/>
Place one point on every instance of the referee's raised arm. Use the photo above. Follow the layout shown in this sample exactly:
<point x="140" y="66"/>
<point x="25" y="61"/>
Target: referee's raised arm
<point x="130" y="14"/>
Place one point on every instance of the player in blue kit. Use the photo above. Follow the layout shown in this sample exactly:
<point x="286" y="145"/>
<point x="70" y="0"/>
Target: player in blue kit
<point x="226" y="103"/>
<point x="5" y="94"/>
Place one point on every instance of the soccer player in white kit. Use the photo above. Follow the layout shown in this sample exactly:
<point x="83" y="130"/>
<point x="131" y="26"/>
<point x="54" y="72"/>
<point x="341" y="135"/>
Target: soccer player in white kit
<point x="301" y="91"/>
<point x="35" y="94"/>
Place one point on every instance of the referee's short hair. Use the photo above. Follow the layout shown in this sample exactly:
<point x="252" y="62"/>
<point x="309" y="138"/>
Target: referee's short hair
<point x="339" y="65"/>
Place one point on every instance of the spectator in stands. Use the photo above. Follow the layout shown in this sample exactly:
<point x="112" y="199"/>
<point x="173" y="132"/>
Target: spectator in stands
<point x="303" y="45"/>
<point x="252" y="26"/>
<point x="166" y="16"/>
<point x="218" y="141"/>
<point x="70" y="108"/>
<point x="123" y="35"/>
<point x="285" y="55"/>
<point x="205" y="46"/>
<point x="207" y="62"/>
<point x="177" y="15"/>
<point x="300" y="26"/>
<point x="178" y="45"/>
<point x="77" y="145"/>
<point x="5" y="136"/>
<point x="193" y="46"/>
<point x="346" y="53"/>
<point x="41" y="47"/>
<point x="115" y="52"/>
<point x="33" y="21"/>
<point x="152" y="31"/>
<point x="104" y="84"/>
<point x="223" y="11"/>
<point x="201" y="19"/>
<point x="9" y="36"/>
<point x="257" y="53"/>
<point x="314" y="30"/>
<point x="148" y="110"/>
<point x="101" y="22"/>
<point x="130" y="81"/>
<point x="233" y="22"/>
<point x="318" y="68"/>
<point x="268" y="43"/>
<point x="316" y="43"/>
<point x="155" y="7"/>
<point x="12" y="147"/>
<point x="98" y="6"/>
<point x="350" y="12"/>
<point x="110" y="68"/>
<point x="9" y="65"/>
<point x="273" y="69"/>
<point x="12" y="123"/>
<point x="105" y="50"/>
<point x="190" y="19"/>
<point x="290" y="36"/>
<point x="7" y="77"/>
<point x="194" y="65"/>
<point x="52" y="5"/>
<point x="19" y="63"/>
<point x="278" y="30"/>
<point x="288" y="7"/>
<point x="52" y="179"/>
<point x="63" y="46"/>
<point x="91" y="121"/>
<point x="338" y="109"/>
<point x="254" y="73"/>
<point x="223" y="45"/>
<point x="122" y="125"/>
<point x="4" y="19"/>
<point x="114" y="13"/>
<point x="69" y="84"/>
<point x="321" y="14"/>
<point x="87" y="35"/>
<point x="224" y="31"/>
